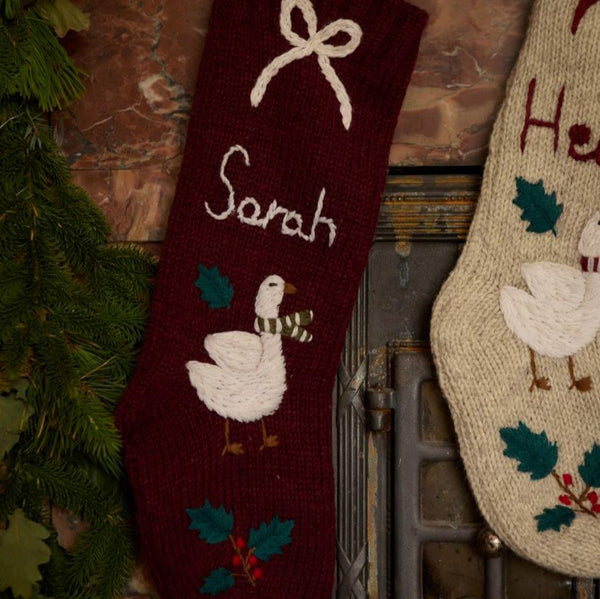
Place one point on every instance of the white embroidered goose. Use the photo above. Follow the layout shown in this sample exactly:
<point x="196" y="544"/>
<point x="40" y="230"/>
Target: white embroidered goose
<point x="248" y="380"/>
<point x="561" y="316"/>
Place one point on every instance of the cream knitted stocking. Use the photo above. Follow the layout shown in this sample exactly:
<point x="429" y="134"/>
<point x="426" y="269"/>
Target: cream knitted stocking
<point x="514" y="329"/>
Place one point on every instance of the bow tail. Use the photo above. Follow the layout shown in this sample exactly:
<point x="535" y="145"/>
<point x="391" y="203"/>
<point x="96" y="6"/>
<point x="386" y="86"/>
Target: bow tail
<point x="271" y="70"/>
<point x="339" y="89"/>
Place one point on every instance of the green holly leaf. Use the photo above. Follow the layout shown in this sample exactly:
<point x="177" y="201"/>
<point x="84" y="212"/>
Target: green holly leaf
<point x="539" y="208"/>
<point x="218" y="581"/>
<point x="535" y="454"/>
<point x="590" y="469"/>
<point x="63" y="16"/>
<point x="215" y="288"/>
<point x="22" y="550"/>
<point x="552" y="518"/>
<point x="215" y="524"/>
<point x="269" y="538"/>
<point x="14" y="413"/>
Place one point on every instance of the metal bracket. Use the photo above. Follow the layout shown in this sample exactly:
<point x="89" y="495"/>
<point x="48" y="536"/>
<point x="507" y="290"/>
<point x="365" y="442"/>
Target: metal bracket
<point x="379" y="406"/>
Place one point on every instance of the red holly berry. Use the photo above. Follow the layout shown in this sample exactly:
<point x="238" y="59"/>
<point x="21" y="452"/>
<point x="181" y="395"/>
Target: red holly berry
<point x="253" y="560"/>
<point x="240" y="543"/>
<point x="596" y="508"/>
<point x="567" y="479"/>
<point x="236" y="560"/>
<point x="257" y="573"/>
<point x="593" y="497"/>
<point x="564" y="499"/>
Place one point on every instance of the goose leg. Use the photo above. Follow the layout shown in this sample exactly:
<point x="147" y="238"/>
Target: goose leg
<point x="234" y="448"/>
<point x="268" y="440"/>
<point x="582" y="384"/>
<point x="540" y="383"/>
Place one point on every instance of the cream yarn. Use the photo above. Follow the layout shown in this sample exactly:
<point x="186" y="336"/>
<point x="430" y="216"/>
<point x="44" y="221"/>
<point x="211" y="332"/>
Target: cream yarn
<point x="529" y="449"/>
<point x="316" y="43"/>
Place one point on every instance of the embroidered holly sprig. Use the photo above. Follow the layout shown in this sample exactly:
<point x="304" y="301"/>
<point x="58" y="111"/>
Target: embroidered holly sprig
<point x="539" y="207"/>
<point x="215" y="525"/>
<point x="538" y="457"/>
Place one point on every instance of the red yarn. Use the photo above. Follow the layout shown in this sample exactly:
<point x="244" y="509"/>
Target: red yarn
<point x="298" y="146"/>
<point x="530" y="121"/>
<point x="580" y="11"/>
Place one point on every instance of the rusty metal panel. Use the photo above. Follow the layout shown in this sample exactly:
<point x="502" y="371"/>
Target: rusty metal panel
<point x="408" y="527"/>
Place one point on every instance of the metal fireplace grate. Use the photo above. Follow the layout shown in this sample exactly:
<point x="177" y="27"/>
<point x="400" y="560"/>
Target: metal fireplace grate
<point x="380" y="449"/>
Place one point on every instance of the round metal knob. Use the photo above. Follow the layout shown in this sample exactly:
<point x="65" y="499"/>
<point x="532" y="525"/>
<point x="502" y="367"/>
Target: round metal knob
<point x="489" y="543"/>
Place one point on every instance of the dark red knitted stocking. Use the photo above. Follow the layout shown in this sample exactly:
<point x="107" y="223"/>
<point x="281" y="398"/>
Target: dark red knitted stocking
<point x="226" y="425"/>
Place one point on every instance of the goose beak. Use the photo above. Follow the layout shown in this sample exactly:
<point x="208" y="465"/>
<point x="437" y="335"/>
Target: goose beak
<point x="289" y="289"/>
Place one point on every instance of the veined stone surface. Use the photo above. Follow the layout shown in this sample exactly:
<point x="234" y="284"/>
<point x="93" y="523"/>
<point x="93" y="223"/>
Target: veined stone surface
<point x="125" y="137"/>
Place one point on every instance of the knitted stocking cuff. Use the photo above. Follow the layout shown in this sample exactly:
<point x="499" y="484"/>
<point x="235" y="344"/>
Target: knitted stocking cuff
<point x="273" y="218"/>
<point x="515" y="328"/>
<point x="297" y="146"/>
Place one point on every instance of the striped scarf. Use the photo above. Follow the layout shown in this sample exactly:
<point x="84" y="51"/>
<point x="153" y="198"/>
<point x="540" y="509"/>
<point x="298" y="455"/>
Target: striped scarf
<point x="589" y="264"/>
<point x="287" y="326"/>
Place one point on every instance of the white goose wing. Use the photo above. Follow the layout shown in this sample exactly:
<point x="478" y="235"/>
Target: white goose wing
<point x="235" y="350"/>
<point x="559" y="284"/>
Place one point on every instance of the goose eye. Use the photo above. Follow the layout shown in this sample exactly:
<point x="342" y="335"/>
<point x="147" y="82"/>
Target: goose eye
<point x="275" y="284"/>
<point x="599" y="222"/>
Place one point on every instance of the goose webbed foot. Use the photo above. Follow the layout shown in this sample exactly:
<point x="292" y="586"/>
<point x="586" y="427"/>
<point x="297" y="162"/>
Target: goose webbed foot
<point x="268" y="440"/>
<point x="583" y="384"/>
<point x="233" y="448"/>
<point x="537" y="382"/>
<point x="540" y="383"/>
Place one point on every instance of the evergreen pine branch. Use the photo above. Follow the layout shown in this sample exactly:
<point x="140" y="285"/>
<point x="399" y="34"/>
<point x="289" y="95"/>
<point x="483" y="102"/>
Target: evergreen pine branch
<point x="35" y="65"/>
<point x="72" y="314"/>
<point x="67" y="487"/>
<point x="101" y="560"/>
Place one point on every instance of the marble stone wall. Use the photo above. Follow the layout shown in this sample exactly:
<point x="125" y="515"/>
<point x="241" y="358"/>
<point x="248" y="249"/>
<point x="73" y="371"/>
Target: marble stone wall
<point x="125" y="137"/>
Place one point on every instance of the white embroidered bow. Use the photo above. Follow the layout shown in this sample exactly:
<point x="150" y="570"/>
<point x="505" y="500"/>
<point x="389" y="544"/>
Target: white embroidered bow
<point x="316" y="43"/>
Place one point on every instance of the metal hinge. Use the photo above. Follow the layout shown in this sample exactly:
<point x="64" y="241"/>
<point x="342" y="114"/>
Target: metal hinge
<point x="379" y="410"/>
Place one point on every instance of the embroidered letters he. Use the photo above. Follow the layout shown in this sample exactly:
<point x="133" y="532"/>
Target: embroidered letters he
<point x="250" y="212"/>
<point x="579" y="133"/>
<point x="580" y="11"/>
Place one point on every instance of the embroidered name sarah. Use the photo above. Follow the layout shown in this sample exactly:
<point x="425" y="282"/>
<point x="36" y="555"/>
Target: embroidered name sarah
<point x="250" y="212"/>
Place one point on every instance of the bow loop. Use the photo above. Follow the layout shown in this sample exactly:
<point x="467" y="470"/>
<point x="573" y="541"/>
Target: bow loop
<point x="330" y="31"/>
<point x="285" y="20"/>
<point x="315" y="43"/>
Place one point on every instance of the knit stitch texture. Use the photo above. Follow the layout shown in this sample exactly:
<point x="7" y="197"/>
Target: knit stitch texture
<point x="514" y="330"/>
<point x="296" y="202"/>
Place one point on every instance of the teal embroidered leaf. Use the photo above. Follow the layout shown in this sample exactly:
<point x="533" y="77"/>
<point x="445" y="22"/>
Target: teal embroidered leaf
<point x="552" y="518"/>
<point x="218" y="581"/>
<point x="534" y="452"/>
<point x="539" y="208"/>
<point x="269" y="538"/>
<point x="215" y="524"/>
<point x="215" y="288"/>
<point x="590" y="469"/>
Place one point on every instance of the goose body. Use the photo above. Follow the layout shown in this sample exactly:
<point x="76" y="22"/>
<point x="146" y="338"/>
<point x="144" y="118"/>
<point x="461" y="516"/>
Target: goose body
<point x="248" y="378"/>
<point x="247" y="381"/>
<point x="560" y="315"/>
